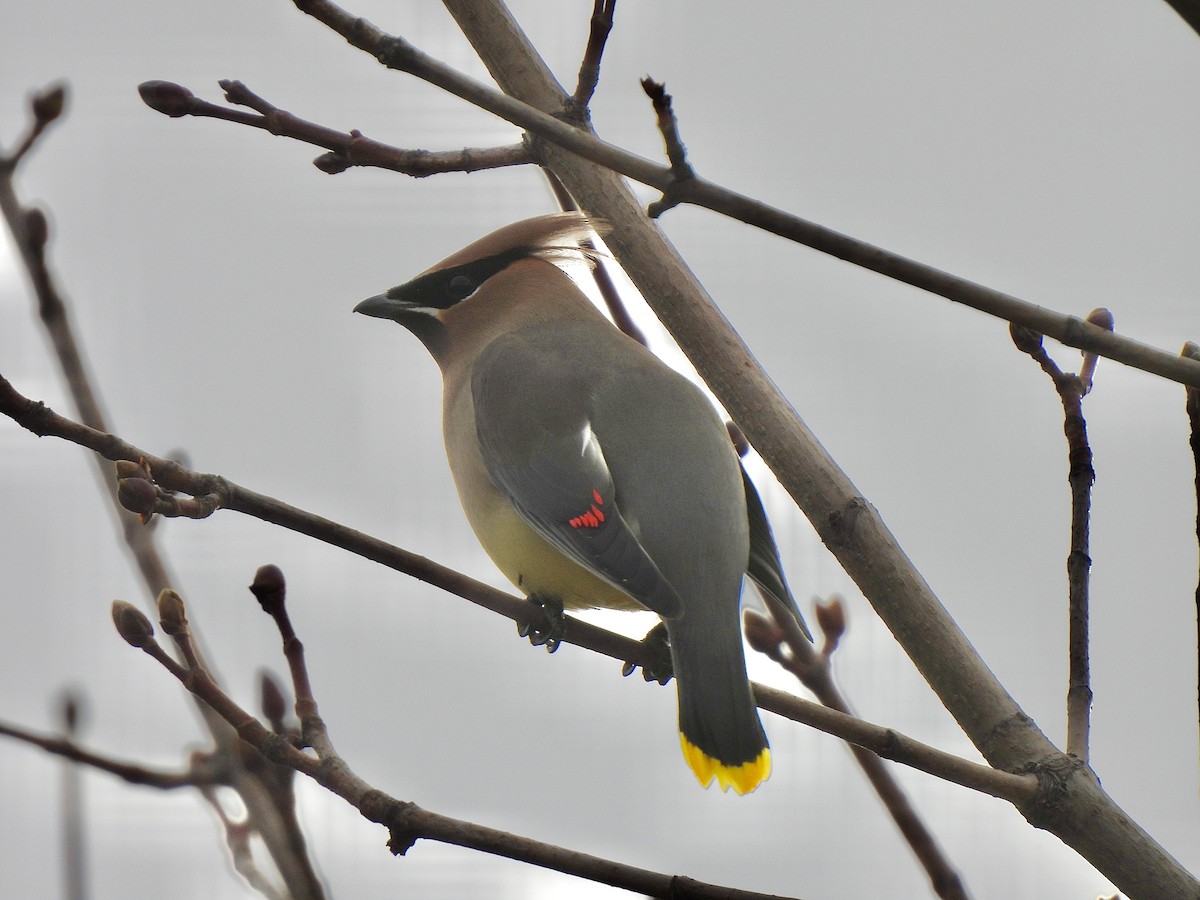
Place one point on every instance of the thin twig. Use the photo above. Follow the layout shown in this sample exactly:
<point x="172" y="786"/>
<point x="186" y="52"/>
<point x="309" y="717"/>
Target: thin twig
<point x="171" y="475"/>
<point x="1081" y="475"/>
<point x="668" y="126"/>
<point x="197" y="774"/>
<point x="601" y="25"/>
<point x="346" y="149"/>
<point x="406" y="822"/>
<point x="815" y="672"/>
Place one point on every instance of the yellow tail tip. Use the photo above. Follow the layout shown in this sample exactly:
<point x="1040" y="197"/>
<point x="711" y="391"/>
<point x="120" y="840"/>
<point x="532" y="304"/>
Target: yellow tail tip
<point x="743" y="778"/>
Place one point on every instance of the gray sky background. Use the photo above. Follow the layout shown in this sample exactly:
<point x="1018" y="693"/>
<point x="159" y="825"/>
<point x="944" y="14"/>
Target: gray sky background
<point x="1047" y="150"/>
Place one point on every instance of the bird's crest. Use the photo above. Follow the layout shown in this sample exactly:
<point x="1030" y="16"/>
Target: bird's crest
<point x="551" y="236"/>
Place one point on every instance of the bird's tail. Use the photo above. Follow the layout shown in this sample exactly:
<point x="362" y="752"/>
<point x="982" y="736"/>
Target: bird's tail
<point x="719" y="728"/>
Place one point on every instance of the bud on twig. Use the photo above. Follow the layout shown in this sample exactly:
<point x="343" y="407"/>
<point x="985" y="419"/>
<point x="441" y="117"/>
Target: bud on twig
<point x="37" y="230"/>
<point x="332" y="163"/>
<point x="133" y="626"/>
<point x="48" y="105"/>
<point x="1026" y="339"/>
<point x="831" y="619"/>
<point x="171" y="614"/>
<point x="138" y="495"/>
<point x="166" y="97"/>
<point x="762" y="634"/>
<point x="269" y="588"/>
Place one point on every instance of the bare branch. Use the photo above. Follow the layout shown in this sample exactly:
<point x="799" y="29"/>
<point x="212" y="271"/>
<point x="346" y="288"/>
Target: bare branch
<point x="29" y="229"/>
<point x="200" y="773"/>
<point x="1081" y="475"/>
<point x="41" y="420"/>
<point x="589" y="70"/>
<point x="406" y="822"/>
<point x="814" y="671"/>
<point x="347" y="149"/>
<point x="668" y="126"/>
<point x="397" y="53"/>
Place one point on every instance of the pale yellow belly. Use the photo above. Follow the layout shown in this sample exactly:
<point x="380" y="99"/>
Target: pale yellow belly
<point x="536" y="567"/>
<point x="527" y="560"/>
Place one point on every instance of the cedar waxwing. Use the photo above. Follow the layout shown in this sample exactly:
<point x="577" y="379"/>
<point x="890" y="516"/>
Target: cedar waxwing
<point x="593" y="474"/>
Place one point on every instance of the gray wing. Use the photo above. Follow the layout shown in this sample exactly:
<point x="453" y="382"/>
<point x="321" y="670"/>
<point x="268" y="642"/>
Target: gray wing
<point x="538" y="446"/>
<point x="765" y="568"/>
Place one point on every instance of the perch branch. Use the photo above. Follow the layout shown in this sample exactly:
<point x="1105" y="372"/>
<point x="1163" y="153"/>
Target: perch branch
<point x="171" y="475"/>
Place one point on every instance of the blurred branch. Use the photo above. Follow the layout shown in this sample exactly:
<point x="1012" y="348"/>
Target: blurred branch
<point x="782" y="640"/>
<point x="398" y="54"/>
<point x="129" y="772"/>
<point x="31" y="234"/>
<point x="406" y="822"/>
<point x="74" y="832"/>
<point x="1081" y="476"/>
<point x="171" y="475"/>
<point x="346" y="149"/>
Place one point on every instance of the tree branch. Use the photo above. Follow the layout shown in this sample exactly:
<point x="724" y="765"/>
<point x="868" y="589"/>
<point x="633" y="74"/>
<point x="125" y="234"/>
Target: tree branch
<point x="782" y="641"/>
<point x="41" y="420"/>
<point x="30" y="232"/>
<point x="347" y="149"/>
<point x="534" y="116"/>
<point x="1081" y="813"/>
<point x="406" y="822"/>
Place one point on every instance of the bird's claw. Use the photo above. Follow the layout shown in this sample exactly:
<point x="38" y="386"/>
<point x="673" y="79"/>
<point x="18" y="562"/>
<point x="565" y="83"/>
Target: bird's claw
<point x="658" y="651"/>
<point x="550" y="632"/>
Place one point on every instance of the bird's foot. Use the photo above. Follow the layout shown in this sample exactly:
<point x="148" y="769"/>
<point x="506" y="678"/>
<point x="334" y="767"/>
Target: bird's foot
<point x="658" y="651"/>
<point x="549" y="631"/>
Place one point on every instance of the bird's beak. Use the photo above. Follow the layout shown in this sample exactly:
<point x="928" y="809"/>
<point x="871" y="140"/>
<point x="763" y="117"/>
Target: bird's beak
<point x="381" y="306"/>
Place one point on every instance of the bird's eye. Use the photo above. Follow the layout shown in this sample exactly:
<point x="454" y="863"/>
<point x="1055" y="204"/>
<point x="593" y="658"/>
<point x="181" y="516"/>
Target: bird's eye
<point x="460" y="286"/>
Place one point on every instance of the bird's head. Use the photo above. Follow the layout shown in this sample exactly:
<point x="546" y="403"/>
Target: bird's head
<point x="421" y="304"/>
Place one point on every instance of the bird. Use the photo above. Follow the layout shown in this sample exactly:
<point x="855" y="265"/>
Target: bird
<point x="593" y="474"/>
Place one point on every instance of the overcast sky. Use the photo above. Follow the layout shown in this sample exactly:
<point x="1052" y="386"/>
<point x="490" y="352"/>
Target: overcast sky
<point x="1047" y="150"/>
